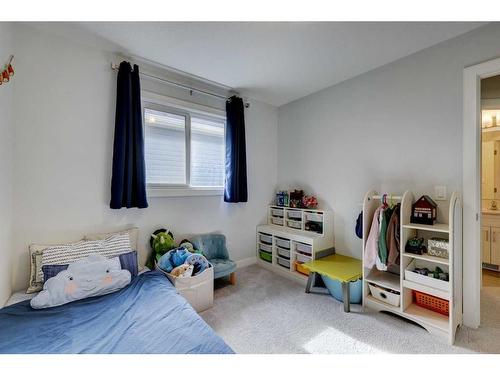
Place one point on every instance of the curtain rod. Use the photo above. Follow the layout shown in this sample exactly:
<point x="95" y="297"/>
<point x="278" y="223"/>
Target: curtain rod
<point x="180" y="85"/>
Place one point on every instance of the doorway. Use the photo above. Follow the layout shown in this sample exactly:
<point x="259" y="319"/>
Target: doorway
<point x="490" y="201"/>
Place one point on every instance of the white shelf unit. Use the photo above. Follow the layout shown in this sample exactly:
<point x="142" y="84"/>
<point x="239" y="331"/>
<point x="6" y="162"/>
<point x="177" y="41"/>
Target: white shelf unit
<point x="299" y="218"/>
<point x="300" y="245"/>
<point x="435" y="323"/>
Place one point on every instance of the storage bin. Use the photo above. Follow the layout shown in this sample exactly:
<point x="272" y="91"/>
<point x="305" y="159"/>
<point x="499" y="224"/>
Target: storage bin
<point x="284" y="263"/>
<point x="277" y="220"/>
<point x="438" y="247"/>
<point x="301" y="269"/>
<point x="294" y="224"/>
<point x="197" y="290"/>
<point x="390" y="297"/>
<point x="304" y="248"/>
<point x="335" y="289"/>
<point x="294" y="214"/>
<point x="265" y="256"/>
<point x="278" y="212"/>
<point x="283" y="253"/>
<point x="266" y="248"/>
<point x="313" y="216"/>
<point x="303" y="258"/>
<point x="425" y="280"/>
<point x="285" y="244"/>
<point x="265" y="238"/>
<point x="427" y="301"/>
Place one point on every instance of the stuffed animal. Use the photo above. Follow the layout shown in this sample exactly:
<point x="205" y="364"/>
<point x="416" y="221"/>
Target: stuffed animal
<point x="161" y="242"/>
<point x="184" y="270"/>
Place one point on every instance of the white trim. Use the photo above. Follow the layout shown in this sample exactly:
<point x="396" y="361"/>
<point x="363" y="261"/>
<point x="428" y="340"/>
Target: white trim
<point x="246" y="262"/>
<point x="471" y="185"/>
<point x="156" y="192"/>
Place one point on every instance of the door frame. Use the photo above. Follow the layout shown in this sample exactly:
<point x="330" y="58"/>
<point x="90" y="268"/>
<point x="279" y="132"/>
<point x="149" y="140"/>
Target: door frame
<point x="471" y="188"/>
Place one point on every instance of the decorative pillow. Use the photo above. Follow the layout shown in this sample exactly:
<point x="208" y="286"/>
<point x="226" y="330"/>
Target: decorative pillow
<point x="36" y="274"/>
<point x="134" y="243"/>
<point x="89" y="277"/>
<point x="128" y="261"/>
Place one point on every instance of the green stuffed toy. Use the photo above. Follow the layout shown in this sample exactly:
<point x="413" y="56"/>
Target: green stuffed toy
<point x="161" y="242"/>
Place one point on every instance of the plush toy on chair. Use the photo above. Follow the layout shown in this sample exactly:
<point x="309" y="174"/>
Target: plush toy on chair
<point x="214" y="248"/>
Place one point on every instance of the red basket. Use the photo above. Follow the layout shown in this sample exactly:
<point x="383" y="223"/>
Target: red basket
<point x="436" y="304"/>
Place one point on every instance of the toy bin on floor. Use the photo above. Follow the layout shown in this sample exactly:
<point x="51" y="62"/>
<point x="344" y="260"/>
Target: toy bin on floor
<point x="335" y="289"/>
<point x="197" y="290"/>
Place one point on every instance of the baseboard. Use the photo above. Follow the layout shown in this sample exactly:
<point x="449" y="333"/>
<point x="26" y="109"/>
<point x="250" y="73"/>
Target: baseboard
<point x="246" y="262"/>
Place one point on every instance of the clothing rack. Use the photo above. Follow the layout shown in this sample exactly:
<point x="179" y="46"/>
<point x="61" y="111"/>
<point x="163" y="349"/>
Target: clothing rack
<point x="116" y="67"/>
<point x="394" y="197"/>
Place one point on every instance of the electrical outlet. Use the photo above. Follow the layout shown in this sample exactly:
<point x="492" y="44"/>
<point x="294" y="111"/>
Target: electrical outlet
<point x="440" y="193"/>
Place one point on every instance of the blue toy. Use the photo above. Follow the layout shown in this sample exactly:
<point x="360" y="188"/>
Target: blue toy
<point x="199" y="262"/>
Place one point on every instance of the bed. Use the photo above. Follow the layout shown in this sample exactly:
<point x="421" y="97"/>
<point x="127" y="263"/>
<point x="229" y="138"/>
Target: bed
<point x="147" y="316"/>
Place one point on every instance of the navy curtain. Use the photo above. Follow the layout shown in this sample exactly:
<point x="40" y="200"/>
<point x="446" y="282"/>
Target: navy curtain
<point x="236" y="158"/>
<point x="128" y="183"/>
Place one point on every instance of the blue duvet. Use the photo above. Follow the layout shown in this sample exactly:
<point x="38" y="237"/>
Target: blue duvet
<point x="148" y="316"/>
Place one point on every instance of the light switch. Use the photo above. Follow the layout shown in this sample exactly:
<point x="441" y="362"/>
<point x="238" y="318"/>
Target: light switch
<point x="440" y="193"/>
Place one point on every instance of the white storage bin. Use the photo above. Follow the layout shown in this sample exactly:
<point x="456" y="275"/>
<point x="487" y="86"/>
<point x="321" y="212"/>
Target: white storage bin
<point x="293" y="214"/>
<point x="384" y="295"/>
<point x="426" y="280"/>
<point x="265" y="238"/>
<point x="304" y="248"/>
<point x="277" y="220"/>
<point x="285" y="244"/>
<point x="283" y="253"/>
<point x="266" y="248"/>
<point x="283" y="262"/>
<point x="303" y="258"/>
<point x="313" y="216"/>
<point x="197" y="290"/>
<point x="294" y="224"/>
<point x="279" y="212"/>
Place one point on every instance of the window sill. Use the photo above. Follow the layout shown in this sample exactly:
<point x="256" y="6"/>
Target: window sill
<point x="156" y="192"/>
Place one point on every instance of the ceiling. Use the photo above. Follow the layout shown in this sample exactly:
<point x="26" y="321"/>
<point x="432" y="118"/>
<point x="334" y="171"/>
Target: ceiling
<point x="275" y="62"/>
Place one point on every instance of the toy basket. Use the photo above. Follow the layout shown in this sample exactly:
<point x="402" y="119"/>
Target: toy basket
<point x="436" y="304"/>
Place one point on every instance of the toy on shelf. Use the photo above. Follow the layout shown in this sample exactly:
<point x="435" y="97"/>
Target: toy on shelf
<point x="415" y="245"/>
<point x="309" y="201"/>
<point x="282" y="198"/>
<point x="296" y="198"/>
<point x="424" y="211"/>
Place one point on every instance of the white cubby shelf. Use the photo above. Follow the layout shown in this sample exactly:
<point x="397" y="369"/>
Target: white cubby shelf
<point x="450" y="228"/>
<point x="289" y="238"/>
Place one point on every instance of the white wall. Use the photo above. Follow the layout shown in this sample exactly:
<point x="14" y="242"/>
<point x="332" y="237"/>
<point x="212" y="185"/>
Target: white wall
<point x="397" y="127"/>
<point x="64" y="106"/>
<point x="6" y="153"/>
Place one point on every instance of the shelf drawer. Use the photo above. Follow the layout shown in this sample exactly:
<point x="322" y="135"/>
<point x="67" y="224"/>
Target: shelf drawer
<point x="304" y="248"/>
<point x="303" y="258"/>
<point x="277" y="220"/>
<point x="278" y="212"/>
<point x="266" y="248"/>
<point x="384" y="295"/>
<point x="265" y="256"/>
<point x="297" y="215"/>
<point x="284" y="263"/>
<point x="265" y="238"/>
<point x="283" y="243"/>
<point x="313" y="216"/>
<point x="294" y="224"/>
<point x="283" y="253"/>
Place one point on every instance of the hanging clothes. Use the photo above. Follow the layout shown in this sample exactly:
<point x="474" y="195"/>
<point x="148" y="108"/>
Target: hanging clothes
<point x="371" y="246"/>
<point x="385" y="216"/>
<point x="393" y="237"/>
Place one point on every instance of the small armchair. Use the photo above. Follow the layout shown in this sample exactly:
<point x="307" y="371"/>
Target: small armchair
<point x="214" y="248"/>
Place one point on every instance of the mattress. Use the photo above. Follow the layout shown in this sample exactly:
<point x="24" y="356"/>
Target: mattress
<point x="148" y="316"/>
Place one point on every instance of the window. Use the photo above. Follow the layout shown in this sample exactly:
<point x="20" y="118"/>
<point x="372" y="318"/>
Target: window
<point x="184" y="150"/>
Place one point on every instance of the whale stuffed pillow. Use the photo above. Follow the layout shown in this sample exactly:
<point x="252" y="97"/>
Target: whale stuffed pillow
<point x="88" y="277"/>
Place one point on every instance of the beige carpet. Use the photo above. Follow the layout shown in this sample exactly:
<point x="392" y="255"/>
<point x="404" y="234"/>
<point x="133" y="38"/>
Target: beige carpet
<point x="266" y="313"/>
